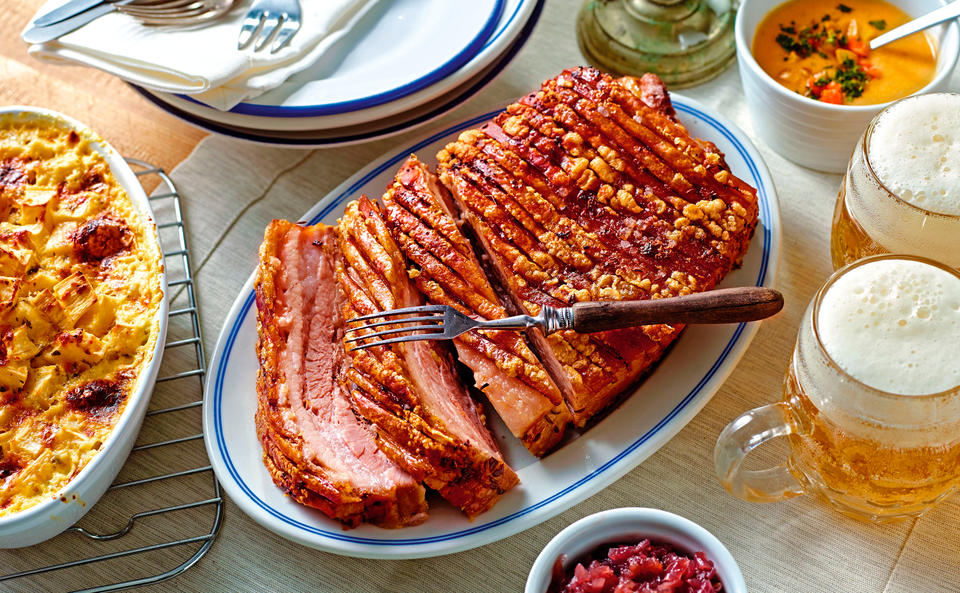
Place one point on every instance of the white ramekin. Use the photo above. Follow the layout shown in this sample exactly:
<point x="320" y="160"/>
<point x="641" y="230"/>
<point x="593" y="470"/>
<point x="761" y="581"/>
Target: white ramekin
<point x="633" y="524"/>
<point x="47" y="519"/>
<point x="808" y="132"/>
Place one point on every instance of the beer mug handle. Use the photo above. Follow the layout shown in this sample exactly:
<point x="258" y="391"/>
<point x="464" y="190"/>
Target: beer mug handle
<point x="747" y="432"/>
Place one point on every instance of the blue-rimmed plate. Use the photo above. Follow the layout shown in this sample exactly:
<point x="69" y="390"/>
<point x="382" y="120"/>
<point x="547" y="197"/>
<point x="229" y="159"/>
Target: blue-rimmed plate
<point x="681" y="385"/>
<point x="401" y="54"/>
<point x="381" y="128"/>
<point x="263" y="114"/>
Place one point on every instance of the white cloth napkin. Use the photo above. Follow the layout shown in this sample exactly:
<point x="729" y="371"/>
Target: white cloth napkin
<point x="202" y="61"/>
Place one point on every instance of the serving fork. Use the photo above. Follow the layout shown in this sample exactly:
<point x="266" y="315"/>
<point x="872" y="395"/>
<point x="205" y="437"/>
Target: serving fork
<point x="444" y="322"/>
<point x="267" y="17"/>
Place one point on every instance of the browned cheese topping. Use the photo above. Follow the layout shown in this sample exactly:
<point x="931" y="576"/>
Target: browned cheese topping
<point x="79" y="292"/>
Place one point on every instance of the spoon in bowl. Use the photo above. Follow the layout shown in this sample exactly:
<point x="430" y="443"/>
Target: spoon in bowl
<point x="931" y="19"/>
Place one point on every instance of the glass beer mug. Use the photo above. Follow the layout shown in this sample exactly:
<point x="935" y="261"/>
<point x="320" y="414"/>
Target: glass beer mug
<point x="901" y="193"/>
<point x="871" y="398"/>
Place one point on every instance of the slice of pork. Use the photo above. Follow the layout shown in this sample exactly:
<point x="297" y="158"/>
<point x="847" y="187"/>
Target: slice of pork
<point x="442" y="263"/>
<point x="315" y="447"/>
<point x="426" y="419"/>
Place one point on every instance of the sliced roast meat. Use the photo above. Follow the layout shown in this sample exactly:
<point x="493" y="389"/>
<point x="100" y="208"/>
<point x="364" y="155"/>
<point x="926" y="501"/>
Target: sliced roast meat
<point x="315" y="447"/>
<point x="426" y="420"/>
<point x="442" y="263"/>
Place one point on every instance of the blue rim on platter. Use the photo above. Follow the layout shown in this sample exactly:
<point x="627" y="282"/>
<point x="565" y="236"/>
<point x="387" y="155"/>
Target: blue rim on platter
<point x="503" y="62"/>
<point x="690" y="402"/>
<point x="486" y="36"/>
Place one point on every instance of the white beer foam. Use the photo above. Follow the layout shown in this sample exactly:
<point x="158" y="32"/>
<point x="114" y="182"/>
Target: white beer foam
<point x="894" y="325"/>
<point x="915" y="151"/>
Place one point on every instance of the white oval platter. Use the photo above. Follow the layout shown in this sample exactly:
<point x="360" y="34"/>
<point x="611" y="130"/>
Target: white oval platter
<point x="665" y="402"/>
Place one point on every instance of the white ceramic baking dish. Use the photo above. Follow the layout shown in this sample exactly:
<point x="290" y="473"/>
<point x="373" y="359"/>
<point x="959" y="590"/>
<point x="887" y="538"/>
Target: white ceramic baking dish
<point x="66" y="507"/>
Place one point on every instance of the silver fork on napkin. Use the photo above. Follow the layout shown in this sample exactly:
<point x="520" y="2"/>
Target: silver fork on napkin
<point x="267" y="17"/>
<point x="73" y="15"/>
<point x="443" y="322"/>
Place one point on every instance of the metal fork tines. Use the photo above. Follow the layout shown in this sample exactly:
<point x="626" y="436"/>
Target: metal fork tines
<point x="433" y="322"/>
<point x="268" y="19"/>
<point x="173" y="8"/>
<point x="177" y="12"/>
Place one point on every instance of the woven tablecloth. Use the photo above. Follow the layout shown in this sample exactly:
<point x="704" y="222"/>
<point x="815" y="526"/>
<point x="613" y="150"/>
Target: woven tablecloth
<point x="232" y="190"/>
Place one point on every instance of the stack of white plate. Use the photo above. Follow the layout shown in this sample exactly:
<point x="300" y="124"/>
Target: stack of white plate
<point x="406" y="63"/>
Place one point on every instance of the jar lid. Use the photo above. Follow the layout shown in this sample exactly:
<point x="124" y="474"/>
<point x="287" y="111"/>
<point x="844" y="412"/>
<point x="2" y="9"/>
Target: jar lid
<point x="685" y="42"/>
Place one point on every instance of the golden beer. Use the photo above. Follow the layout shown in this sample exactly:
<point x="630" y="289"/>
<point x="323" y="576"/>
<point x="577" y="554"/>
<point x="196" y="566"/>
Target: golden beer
<point x="864" y="468"/>
<point x="848" y="241"/>
<point x="871" y="397"/>
<point x="901" y="192"/>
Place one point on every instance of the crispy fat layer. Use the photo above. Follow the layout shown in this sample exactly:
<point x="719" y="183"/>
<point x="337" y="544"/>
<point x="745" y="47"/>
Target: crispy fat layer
<point x="591" y="190"/>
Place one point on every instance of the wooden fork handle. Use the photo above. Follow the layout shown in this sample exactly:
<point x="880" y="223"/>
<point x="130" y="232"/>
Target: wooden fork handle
<point x="725" y="305"/>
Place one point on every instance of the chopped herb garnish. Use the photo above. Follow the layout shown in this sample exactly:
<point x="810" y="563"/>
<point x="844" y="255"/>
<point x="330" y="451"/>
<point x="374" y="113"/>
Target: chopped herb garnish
<point x="849" y="77"/>
<point x="852" y="78"/>
<point x="848" y="70"/>
<point x="787" y="42"/>
<point x="805" y="42"/>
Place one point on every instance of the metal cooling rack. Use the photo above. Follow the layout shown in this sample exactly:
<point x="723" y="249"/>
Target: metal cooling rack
<point x="185" y="381"/>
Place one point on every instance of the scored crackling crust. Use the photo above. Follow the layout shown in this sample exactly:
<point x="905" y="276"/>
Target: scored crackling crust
<point x="590" y="190"/>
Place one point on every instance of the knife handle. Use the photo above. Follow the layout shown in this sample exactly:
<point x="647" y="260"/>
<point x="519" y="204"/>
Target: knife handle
<point x="65" y="11"/>
<point x="726" y="305"/>
<point x="37" y="34"/>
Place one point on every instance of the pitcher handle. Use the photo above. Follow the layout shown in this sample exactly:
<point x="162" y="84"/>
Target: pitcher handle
<point x="744" y="434"/>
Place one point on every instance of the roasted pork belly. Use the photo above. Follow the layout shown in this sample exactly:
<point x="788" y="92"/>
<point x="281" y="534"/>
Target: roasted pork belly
<point x="426" y="421"/>
<point x="590" y="190"/>
<point x="315" y="447"/>
<point x="442" y="263"/>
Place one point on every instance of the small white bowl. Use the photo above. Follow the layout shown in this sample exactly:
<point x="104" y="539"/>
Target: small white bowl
<point x="812" y="133"/>
<point x="49" y="518"/>
<point x="633" y="524"/>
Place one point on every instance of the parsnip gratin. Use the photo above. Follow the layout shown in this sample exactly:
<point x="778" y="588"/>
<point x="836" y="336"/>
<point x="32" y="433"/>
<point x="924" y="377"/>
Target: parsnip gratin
<point x="80" y="287"/>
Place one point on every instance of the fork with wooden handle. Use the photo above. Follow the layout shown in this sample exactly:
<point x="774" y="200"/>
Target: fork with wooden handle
<point x="443" y="322"/>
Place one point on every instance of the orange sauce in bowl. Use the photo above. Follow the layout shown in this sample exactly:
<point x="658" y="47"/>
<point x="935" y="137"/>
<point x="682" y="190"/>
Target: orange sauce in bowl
<point x="820" y="49"/>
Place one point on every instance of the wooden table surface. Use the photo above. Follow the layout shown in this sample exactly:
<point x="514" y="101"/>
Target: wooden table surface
<point x="230" y="192"/>
<point x="134" y="126"/>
